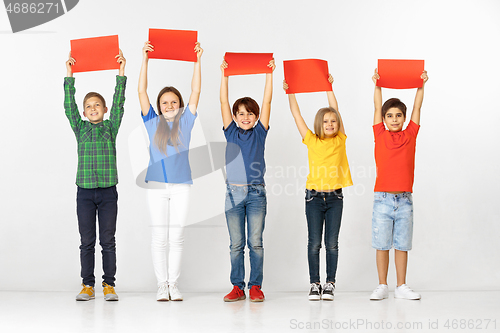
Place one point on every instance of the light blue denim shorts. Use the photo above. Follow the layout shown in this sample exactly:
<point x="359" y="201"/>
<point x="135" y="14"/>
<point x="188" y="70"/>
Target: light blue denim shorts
<point x="392" y="221"/>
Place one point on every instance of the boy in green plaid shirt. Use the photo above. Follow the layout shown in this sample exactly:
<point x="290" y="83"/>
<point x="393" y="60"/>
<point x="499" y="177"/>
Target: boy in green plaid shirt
<point x="96" y="177"/>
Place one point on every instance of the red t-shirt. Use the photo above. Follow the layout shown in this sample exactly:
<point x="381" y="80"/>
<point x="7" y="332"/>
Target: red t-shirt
<point x="395" y="158"/>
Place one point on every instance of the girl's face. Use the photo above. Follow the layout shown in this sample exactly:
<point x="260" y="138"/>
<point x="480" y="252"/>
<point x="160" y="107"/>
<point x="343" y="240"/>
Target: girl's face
<point x="245" y="120"/>
<point x="394" y="119"/>
<point x="169" y="105"/>
<point x="330" y="125"/>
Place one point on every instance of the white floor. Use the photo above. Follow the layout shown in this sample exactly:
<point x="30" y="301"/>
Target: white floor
<point x="281" y="312"/>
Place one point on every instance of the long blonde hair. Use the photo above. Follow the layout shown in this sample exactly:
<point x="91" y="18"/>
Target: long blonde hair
<point x="164" y="135"/>
<point x="318" y="121"/>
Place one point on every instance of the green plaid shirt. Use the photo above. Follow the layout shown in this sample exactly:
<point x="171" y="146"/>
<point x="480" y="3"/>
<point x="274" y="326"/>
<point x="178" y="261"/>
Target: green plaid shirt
<point x="96" y="142"/>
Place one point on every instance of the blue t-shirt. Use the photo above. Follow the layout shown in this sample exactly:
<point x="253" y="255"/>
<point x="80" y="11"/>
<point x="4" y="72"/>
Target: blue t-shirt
<point x="245" y="162"/>
<point x="173" y="167"/>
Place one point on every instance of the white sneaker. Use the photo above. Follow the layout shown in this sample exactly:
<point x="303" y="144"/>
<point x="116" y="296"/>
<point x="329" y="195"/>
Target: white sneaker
<point x="162" y="294"/>
<point x="381" y="292"/>
<point x="403" y="291"/>
<point x="175" y="294"/>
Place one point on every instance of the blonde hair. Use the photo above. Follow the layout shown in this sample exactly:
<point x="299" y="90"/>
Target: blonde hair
<point x="318" y="121"/>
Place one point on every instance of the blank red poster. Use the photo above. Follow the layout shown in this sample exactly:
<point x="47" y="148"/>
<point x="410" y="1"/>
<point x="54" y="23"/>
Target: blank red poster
<point x="306" y="75"/>
<point x="173" y="44"/>
<point x="400" y="74"/>
<point x="95" y="54"/>
<point x="247" y="63"/>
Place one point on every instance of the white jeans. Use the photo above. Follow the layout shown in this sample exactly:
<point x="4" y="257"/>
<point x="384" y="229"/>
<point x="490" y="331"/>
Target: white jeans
<point x="168" y="208"/>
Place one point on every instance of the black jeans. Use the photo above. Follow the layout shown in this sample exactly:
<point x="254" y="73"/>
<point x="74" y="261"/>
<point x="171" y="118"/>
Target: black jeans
<point x="103" y="203"/>
<point x="323" y="208"/>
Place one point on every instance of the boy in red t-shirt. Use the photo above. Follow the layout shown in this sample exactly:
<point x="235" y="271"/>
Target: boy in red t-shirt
<point x="392" y="221"/>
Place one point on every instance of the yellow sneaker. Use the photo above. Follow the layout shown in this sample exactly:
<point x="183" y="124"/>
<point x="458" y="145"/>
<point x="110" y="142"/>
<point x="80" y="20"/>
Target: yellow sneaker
<point x="109" y="292"/>
<point x="86" y="294"/>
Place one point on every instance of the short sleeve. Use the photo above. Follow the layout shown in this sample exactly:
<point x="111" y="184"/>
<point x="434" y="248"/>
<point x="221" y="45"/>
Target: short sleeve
<point x="229" y="130"/>
<point x="412" y="129"/>
<point x="308" y="138"/>
<point x="151" y="114"/>
<point x="188" y="118"/>
<point x="378" y="129"/>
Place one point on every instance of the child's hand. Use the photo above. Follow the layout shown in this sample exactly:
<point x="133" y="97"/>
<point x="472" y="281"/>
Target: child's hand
<point x="69" y="64"/>
<point x="147" y="48"/>
<point x="272" y="65"/>
<point x="198" y="50"/>
<point x="223" y="66"/>
<point x="285" y="86"/>
<point x="330" y="78"/>
<point x="375" y="76"/>
<point x="121" y="60"/>
<point x="424" y="76"/>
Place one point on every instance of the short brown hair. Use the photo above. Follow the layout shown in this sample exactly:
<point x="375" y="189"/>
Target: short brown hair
<point x="249" y="103"/>
<point x="94" y="94"/>
<point x="318" y="120"/>
<point x="393" y="103"/>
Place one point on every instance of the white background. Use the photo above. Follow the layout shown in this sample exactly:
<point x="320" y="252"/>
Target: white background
<point x="457" y="162"/>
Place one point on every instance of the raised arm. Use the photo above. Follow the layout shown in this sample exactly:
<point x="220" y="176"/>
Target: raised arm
<point x="419" y="98"/>
<point x="294" y="108"/>
<point x="196" y="82"/>
<point x="377" y="100"/>
<point x="70" y="107"/>
<point x="265" y="113"/>
<point x="225" y="108"/>
<point x="121" y="60"/>
<point x="143" y="79"/>
<point x="332" y="102"/>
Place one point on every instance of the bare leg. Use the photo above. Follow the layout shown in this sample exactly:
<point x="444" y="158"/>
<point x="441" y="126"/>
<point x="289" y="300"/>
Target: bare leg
<point x="401" y="259"/>
<point x="382" y="266"/>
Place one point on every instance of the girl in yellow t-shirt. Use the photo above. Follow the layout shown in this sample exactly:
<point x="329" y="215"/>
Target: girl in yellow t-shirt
<point x="328" y="174"/>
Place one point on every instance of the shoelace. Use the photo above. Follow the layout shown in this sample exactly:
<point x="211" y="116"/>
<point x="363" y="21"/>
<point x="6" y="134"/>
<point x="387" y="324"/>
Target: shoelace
<point x="329" y="287"/>
<point x="109" y="289"/>
<point x="404" y="287"/>
<point x="87" y="289"/>
<point x="379" y="287"/>
<point x="163" y="289"/>
<point x="315" y="287"/>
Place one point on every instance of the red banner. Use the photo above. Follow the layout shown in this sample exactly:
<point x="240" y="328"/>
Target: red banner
<point x="247" y="63"/>
<point x="95" y="54"/>
<point x="306" y="75"/>
<point x="173" y="44"/>
<point x="400" y="74"/>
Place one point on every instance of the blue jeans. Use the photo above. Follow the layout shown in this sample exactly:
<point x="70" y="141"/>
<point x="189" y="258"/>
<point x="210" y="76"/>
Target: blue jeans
<point x="103" y="202"/>
<point x="323" y="208"/>
<point x="246" y="201"/>
<point x="392" y="221"/>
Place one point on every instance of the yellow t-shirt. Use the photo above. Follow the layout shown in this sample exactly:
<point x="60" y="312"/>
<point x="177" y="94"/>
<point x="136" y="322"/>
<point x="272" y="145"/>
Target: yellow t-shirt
<point x="328" y="166"/>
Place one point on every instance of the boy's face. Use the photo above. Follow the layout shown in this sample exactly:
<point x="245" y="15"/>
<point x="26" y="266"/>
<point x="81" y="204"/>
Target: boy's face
<point x="169" y="105"/>
<point x="94" y="110"/>
<point x="394" y="119"/>
<point x="245" y="120"/>
<point x="330" y="125"/>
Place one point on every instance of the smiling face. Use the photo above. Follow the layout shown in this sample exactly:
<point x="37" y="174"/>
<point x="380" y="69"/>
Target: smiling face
<point x="245" y="119"/>
<point x="330" y="125"/>
<point x="169" y="105"/>
<point x="94" y="110"/>
<point x="394" y="119"/>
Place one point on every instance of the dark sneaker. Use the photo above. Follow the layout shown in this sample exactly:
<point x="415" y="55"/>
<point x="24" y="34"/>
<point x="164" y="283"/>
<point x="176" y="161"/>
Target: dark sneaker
<point x="86" y="294"/>
<point x="315" y="292"/>
<point x="235" y="295"/>
<point x="109" y="292"/>
<point x="328" y="289"/>
<point x="256" y="295"/>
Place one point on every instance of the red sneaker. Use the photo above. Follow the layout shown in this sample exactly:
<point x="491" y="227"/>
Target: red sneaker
<point x="256" y="295"/>
<point x="235" y="295"/>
